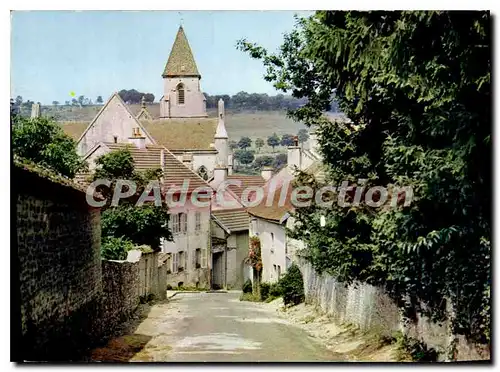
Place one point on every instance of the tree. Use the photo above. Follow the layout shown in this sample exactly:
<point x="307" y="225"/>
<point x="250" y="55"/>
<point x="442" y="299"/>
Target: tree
<point x="134" y="96"/>
<point x="19" y="101"/>
<point x="273" y="141"/>
<point x="74" y="102"/>
<point x="419" y="117"/>
<point x="259" y="143"/>
<point x="263" y="161"/>
<point x="233" y="145"/>
<point x="244" y="156"/>
<point x="81" y="100"/>
<point x="44" y="142"/>
<point x="287" y="140"/>
<point x="280" y="160"/>
<point x="55" y="103"/>
<point x="67" y="103"/>
<point x="99" y="100"/>
<point x="244" y="143"/>
<point x="141" y="225"/>
<point x="303" y="135"/>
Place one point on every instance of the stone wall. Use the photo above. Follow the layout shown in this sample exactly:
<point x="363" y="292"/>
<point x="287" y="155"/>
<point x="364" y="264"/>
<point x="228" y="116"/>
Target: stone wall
<point x="67" y="298"/>
<point x="371" y="309"/>
<point x="57" y="254"/>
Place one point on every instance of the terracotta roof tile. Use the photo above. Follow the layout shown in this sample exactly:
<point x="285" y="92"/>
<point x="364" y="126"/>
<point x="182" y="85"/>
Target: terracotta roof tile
<point x="276" y="210"/>
<point x="233" y="219"/>
<point x="183" y="133"/>
<point x="175" y="172"/>
<point x="246" y="181"/>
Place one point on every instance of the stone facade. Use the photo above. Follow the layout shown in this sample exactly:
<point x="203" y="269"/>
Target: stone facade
<point x="57" y="246"/>
<point x="194" y="104"/>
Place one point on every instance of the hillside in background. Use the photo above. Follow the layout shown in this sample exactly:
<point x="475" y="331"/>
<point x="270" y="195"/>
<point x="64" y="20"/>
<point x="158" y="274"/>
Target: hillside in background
<point x="253" y="124"/>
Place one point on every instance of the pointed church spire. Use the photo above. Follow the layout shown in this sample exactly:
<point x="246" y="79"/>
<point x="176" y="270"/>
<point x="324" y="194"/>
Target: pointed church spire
<point x="181" y="61"/>
<point x="221" y="127"/>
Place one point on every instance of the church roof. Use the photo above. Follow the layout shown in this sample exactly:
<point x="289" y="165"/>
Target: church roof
<point x="183" y="133"/>
<point x="181" y="61"/>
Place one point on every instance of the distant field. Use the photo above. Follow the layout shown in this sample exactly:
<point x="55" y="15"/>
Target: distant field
<point x="257" y="124"/>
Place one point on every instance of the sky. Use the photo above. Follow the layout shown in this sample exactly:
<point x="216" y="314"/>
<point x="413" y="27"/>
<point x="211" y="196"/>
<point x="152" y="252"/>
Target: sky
<point x="91" y="53"/>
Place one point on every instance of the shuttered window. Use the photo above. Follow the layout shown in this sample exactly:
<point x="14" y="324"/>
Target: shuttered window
<point x="204" y="258"/>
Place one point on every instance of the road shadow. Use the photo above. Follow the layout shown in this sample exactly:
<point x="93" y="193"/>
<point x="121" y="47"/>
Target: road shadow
<point x="124" y="343"/>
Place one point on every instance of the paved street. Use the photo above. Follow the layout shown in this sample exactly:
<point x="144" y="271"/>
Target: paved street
<point x="214" y="327"/>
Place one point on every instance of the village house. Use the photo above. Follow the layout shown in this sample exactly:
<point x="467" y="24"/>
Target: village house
<point x="270" y="218"/>
<point x="210" y="243"/>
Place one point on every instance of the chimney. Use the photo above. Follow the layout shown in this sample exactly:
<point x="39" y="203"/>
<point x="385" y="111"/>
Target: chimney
<point x="294" y="155"/>
<point x="36" y="111"/>
<point x="230" y="164"/>
<point x="220" y="175"/>
<point x="187" y="159"/>
<point x="137" y="139"/>
<point x="266" y="173"/>
<point x="313" y="143"/>
<point x="143" y="102"/>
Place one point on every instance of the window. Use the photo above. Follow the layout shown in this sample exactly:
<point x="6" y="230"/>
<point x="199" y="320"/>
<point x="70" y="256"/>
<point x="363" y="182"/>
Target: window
<point x="175" y="223"/>
<point x="279" y="271"/>
<point x="180" y="262"/>
<point x="183" y="222"/>
<point x="204" y="257"/>
<point x="179" y="223"/>
<point x="197" y="262"/>
<point x="272" y="242"/>
<point x="175" y="262"/>
<point x="197" y="221"/>
<point x="203" y="173"/>
<point x="180" y="94"/>
<point x="115" y="139"/>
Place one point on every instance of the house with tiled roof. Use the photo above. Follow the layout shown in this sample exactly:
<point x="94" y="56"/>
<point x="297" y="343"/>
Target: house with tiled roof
<point x="270" y="218"/>
<point x="181" y="124"/>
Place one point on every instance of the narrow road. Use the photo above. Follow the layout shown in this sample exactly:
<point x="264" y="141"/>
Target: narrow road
<point x="215" y="327"/>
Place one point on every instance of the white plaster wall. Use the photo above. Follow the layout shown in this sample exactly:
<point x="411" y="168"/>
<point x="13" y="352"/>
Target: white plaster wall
<point x="188" y="243"/>
<point x="115" y="120"/>
<point x="270" y="256"/>
<point x="208" y="160"/>
<point x="194" y="100"/>
<point x="94" y="156"/>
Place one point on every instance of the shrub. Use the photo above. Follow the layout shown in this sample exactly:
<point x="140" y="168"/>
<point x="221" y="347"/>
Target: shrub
<point x="264" y="290"/>
<point x="275" y="290"/>
<point x="247" y="286"/>
<point x="292" y="286"/>
<point x="115" y="248"/>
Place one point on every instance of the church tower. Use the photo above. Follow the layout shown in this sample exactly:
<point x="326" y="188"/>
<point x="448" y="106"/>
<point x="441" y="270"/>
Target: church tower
<point x="182" y="96"/>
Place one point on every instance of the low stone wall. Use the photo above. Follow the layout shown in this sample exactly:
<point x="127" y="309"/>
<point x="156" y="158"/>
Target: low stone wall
<point x="371" y="309"/>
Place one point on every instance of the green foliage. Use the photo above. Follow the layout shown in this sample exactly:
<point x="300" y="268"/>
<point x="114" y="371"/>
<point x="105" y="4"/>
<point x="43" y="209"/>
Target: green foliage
<point x="233" y="145"/>
<point x="264" y="160"/>
<point x="264" y="291"/>
<point x="115" y="248"/>
<point x="280" y="160"/>
<point x="244" y="156"/>
<point x="244" y="143"/>
<point x="250" y="297"/>
<point x="303" y="135"/>
<point x="273" y="140"/>
<point x="259" y="143"/>
<point x="44" y="142"/>
<point x="291" y="286"/>
<point x="416" y="88"/>
<point x="142" y="224"/>
<point x="287" y="140"/>
<point x="410" y="349"/>
<point x="247" y="286"/>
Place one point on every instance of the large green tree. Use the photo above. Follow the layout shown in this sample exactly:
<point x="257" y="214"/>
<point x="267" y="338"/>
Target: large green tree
<point x="43" y="141"/>
<point x="416" y="88"/>
<point x="143" y="224"/>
